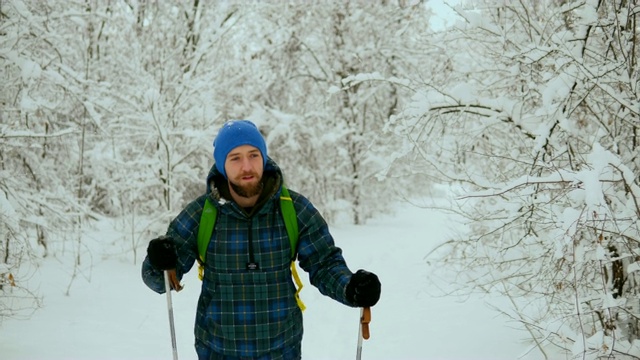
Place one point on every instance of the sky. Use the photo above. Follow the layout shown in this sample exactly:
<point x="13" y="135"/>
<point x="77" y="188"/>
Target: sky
<point x="110" y="314"/>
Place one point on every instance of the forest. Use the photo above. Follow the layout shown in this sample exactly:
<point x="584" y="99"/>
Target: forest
<point x="526" y="111"/>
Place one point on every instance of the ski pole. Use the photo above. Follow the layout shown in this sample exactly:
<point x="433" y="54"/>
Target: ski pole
<point x="167" y="287"/>
<point x="363" y="331"/>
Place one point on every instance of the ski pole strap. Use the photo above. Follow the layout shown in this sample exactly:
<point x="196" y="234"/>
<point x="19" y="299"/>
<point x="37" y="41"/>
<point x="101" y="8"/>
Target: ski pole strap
<point x="365" y="319"/>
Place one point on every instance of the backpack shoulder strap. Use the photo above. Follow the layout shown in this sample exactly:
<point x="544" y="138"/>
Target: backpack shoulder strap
<point x="290" y="220"/>
<point x="207" y="222"/>
<point x="291" y="223"/>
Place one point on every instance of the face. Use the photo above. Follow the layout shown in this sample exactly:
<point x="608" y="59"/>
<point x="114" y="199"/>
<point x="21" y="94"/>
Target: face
<point x="244" y="167"/>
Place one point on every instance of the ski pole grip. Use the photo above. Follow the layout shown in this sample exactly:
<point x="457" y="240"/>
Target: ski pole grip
<point x="173" y="280"/>
<point x="364" y="322"/>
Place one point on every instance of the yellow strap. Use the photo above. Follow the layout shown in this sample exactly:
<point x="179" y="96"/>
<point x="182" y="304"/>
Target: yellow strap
<point x="299" y="286"/>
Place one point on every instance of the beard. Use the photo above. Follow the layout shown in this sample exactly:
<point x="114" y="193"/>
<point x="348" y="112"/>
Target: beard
<point x="247" y="191"/>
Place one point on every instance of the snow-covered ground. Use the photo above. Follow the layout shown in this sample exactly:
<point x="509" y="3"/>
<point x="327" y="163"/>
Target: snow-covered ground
<point x="111" y="314"/>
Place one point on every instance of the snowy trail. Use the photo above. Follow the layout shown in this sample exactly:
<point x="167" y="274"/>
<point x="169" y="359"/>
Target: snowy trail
<point x="114" y="316"/>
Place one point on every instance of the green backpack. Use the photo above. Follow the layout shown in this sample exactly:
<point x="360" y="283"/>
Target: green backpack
<point x="208" y="222"/>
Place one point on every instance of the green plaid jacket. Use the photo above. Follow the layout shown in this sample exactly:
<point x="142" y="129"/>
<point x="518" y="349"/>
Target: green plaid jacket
<point x="253" y="313"/>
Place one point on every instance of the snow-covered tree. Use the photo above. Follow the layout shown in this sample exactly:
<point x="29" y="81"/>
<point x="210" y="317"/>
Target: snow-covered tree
<point x="312" y="99"/>
<point x="537" y="129"/>
<point x="110" y="109"/>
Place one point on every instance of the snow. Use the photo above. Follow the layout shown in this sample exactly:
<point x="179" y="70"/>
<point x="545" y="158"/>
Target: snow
<point x="111" y="314"/>
<point x="633" y="267"/>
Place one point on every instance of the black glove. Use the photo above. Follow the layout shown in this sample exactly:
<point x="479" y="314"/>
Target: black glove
<point x="162" y="253"/>
<point x="363" y="289"/>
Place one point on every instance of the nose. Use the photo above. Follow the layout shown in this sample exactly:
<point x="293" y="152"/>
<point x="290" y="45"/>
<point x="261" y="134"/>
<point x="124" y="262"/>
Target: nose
<point x="246" y="164"/>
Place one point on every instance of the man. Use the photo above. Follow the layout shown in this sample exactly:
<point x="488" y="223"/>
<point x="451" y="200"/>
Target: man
<point x="247" y="307"/>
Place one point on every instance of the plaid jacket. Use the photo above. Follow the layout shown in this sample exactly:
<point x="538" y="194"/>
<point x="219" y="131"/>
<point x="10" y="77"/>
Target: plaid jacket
<point x="253" y="313"/>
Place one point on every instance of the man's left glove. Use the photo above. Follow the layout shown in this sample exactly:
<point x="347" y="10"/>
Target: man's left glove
<point x="162" y="253"/>
<point x="363" y="289"/>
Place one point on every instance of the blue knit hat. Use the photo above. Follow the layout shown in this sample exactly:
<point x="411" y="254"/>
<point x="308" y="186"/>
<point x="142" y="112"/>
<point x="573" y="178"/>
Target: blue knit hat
<point x="236" y="133"/>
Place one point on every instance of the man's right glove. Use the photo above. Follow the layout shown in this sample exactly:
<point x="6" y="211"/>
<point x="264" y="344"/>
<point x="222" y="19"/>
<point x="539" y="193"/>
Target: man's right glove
<point x="363" y="289"/>
<point x="162" y="253"/>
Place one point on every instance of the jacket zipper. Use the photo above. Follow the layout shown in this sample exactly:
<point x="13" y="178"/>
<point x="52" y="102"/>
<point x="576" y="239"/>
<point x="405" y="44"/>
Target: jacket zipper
<point x="252" y="264"/>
